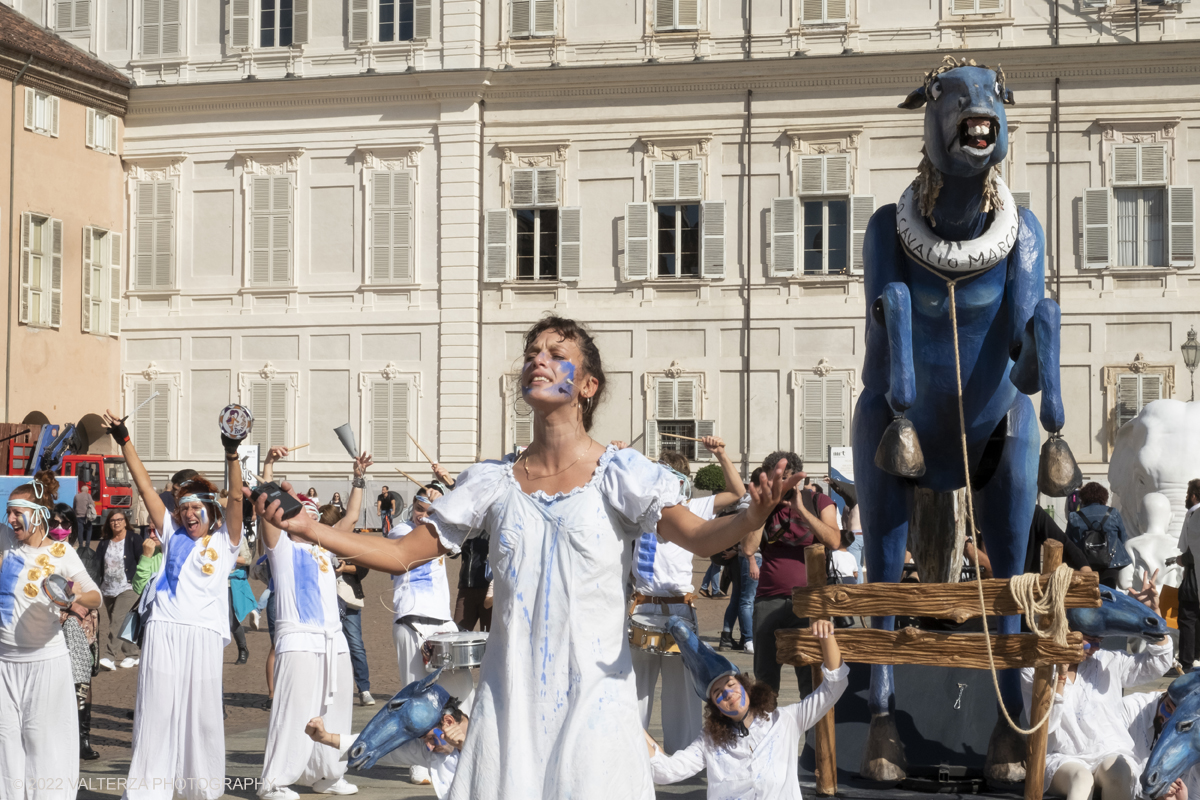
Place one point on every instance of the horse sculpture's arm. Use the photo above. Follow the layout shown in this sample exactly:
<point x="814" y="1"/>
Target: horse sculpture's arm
<point x="889" y="363"/>
<point x="1034" y="330"/>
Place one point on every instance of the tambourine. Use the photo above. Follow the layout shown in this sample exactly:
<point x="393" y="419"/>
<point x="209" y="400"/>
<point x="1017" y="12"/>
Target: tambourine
<point x="59" y="590"/>
<point x="235" y="421"/>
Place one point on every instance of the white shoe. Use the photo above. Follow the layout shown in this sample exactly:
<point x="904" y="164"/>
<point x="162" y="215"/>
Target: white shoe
<point x="749" y="646"/>
<point x="280" y="793"/>
<point x="340" y="786"/>
<point x="366" y="699"/>
<point x="107" y="663"/>
<point x="419" y="776"/>
<point x="255" y="619"/>
<point x="128" y="662"/>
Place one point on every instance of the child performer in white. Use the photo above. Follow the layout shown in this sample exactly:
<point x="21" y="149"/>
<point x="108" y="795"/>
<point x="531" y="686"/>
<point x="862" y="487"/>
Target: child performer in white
<point x="313" y="675"/>
<point x="749" y="745"/>
<point x="178" y="725"/>
<point x="39" y="721"/>
<point x="555" y="714"/>
<point x="662" y="585"/>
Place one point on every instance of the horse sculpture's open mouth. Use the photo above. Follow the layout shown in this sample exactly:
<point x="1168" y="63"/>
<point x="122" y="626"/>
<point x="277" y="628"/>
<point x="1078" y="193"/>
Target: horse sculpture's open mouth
<point x="977" y="135"/>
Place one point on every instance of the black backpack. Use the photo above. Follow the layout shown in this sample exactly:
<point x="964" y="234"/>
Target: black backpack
<point x="1092" y="540"/>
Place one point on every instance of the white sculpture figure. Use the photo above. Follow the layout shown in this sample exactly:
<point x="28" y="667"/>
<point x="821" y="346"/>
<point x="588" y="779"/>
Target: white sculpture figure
<point x="1154" y="456"/>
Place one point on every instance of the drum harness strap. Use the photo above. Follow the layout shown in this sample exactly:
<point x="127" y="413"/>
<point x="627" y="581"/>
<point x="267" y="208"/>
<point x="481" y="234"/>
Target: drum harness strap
<point x="664" y="603"/>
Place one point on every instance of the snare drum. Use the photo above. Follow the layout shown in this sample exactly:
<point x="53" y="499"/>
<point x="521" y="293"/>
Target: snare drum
<point x="649" y="632"/>
<point x="455" y="650"/>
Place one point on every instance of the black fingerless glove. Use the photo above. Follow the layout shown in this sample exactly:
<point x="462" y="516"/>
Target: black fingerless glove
<point x="120" y="433"/>
<point x="230" y="445"/>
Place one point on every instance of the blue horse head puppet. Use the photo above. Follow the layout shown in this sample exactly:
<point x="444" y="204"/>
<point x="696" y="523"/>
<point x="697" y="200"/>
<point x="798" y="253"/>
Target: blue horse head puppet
<point x="1177" y="748"/>
<point x="413" y="712"/>
<point x="706" y="665"/>
<point x="1118" y="615"/>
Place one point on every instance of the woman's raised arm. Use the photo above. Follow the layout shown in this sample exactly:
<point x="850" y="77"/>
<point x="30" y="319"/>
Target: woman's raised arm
<point x="141" y="478"/>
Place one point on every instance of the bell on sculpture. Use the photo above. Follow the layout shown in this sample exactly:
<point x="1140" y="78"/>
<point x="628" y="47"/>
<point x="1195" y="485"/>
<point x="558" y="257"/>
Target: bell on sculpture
<point x="899" y="451"/>
<point x="1058" y="474"/>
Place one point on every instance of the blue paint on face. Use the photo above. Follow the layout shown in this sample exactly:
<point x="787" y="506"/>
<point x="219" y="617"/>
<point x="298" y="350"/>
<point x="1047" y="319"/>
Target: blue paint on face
<point x="10" y="575"/>
<point x="180" y="547"/>
<point x="308" y="590"/>
<point x="567" y="384"/>
<point x="726" y="695"/>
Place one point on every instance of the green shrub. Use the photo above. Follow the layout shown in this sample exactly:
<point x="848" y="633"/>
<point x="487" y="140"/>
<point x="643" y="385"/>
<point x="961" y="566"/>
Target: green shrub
<point x="710" y="478"/>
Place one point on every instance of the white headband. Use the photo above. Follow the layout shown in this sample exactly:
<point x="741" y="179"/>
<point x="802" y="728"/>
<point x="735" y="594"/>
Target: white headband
<point x="42" y="511"/>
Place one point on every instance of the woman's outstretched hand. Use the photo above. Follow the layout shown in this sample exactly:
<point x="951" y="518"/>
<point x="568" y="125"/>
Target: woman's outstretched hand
<point x="769" y="492"/>
<point x="299" y="526"/>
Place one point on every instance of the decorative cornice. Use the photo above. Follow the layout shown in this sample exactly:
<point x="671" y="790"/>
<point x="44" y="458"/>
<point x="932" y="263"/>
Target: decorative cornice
<point x="535" y="154"/>
<point x="151" y="371"/>
<point x="822" y="139"/>
<point x="1138" y="129"/>
<point x="154" y="167"/>
<point x="674" y="371"/>
<point x="390" y="371"/>
<point x="676" y="147"/>
<point x="270" y="161"/>
<point x="268" y="371"/>
<point x="390" y="156"/>
<point x="823" y="368"/>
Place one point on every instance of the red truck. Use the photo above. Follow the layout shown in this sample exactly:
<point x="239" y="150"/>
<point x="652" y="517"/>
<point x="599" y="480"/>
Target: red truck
<point x="108" y="476"/>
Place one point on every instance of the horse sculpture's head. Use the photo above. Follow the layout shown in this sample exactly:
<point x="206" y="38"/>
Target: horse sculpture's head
<point x="966" y="130"/>
<point x="1118" y="615"/>
<point x="1177" y="748"/>
<point x="412" y="713"/>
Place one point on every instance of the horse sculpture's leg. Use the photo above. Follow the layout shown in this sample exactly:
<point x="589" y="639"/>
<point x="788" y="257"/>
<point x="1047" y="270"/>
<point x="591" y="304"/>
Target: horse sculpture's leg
<point x="884" y="513"/>
<point x="899" y="451"/>
<point x="1004" y="508"/>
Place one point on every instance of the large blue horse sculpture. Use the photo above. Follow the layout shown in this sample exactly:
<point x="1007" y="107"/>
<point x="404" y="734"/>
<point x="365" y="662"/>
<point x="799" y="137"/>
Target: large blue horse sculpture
<point x="958" y="222"/>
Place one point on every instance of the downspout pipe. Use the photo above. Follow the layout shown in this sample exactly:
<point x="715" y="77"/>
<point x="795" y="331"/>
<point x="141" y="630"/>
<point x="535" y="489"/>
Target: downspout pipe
<point x="749" y="260"/>
<point x="12" y="179"/>
<point x="1057" y="205"/>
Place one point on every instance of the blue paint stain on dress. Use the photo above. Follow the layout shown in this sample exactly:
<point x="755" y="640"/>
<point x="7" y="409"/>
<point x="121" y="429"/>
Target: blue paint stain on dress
<point x="421" y="576"/>
<point x="308" y="591"/>
<point x="647" y="546"/>
<point x="10" y="576"/>
<point x="179" y="548"/>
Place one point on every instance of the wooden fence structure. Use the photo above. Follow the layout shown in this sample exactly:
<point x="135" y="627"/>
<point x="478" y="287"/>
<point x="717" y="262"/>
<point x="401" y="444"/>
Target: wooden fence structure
<point x="954" y="601"/>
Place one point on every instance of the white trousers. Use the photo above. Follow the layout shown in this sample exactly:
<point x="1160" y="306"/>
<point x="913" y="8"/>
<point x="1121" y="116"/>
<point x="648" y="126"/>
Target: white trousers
<point x="457" y="682"/>
<point x="290" y="756"/>
<point x="682" y="709"/>
<point x="178" y="723"/>
<point x="39" y="730"/>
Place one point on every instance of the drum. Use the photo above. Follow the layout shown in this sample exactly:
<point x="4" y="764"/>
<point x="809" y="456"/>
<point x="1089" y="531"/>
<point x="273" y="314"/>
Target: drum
<point x="235" y="421"/>
<point x="59" y="590"/>
<point x="649" y="632"/>
<point x="454" y="650"/>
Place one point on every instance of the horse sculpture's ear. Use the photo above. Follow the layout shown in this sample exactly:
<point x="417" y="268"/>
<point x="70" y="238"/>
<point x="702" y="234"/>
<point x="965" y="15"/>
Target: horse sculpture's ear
<point x="915" y="99"/>
<point x="1008" y="98"/>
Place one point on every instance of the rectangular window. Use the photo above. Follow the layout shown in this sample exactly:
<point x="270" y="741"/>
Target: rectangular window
<point x="676" y="15"/>
<point x="1141" y="226"/>
<point x="395" y="20"/>
<point x="269" y="405"/>
<point x="275" y="23"/>
<point x="41" y="271"/>
<point x="389" y="420"/>
<point x="101" y="308"/>
<point x="976" y="6"/>
<point x="1134" y="391"/>
<point x="161" y="25"/>
<point x="825" y="405"/>
<point x="41" y="112"/>
<point x="532" y="18"/>
<point x="675" y="412"/>
<point x="154" y="229"/>
<point x="391" y="227"/>
<point x="826" y="237"/>
<point x="818" y="12"/>
<point x="73" y="16"/>
<point x="537" y="243"/>
<point x="101" y="131"/>
<point x="151" y="424"/>
<point x="271" y="230"/>
<point x="679" y="240"/>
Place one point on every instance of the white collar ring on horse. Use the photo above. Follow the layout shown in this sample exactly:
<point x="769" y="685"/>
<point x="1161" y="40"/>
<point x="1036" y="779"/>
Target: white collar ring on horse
<point x="956" y="223"/>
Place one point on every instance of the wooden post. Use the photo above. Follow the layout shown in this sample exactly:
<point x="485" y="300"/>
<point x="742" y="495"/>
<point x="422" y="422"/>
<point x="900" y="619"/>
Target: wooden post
<point x="1043" y="694"/>
<point x="824" y="744"/>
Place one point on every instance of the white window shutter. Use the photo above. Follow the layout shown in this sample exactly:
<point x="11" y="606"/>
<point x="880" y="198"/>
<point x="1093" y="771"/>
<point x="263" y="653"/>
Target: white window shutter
<point x="56" y="272"/>
<point x="381" y="412"/>
<point x="52" y="110"/>
<point x="1022" y="199"/>
<point x="86" y="318"/>
<point x="812" y="12"/>
<point x="664" y="398"/>
<point x="522" y="421"/>
<point x="1097" y="227"/>
<point x="152" y="27"/>
<point x="837" y="174"/>
<point x="143" y="420"/>
<point x="1153" y="165"/>
<point x="524" y="187"/>
<point x="664" y="15"/>
<point x="381" y="226"/>
<point x="521" y="21"/>
<point x="862" y="206"/>
<point x="260" y="230"/>
<point x="1125" y="165"/>
<point x="497" y="227"/>
<point x="688" y="14"/>
<point x="299" y="21"/>
<point x="1181" y="211"/>
<point x="171" y="26"/>
<point x="639" y="249"/>
<point x="546" y="187"/>
<point x="146" y="228"/>
<point x="90" y="133"/>
<point x="836" y="414"/>
<point x="705" y="427"/>
<point x="30" y="109"/>
<point x="650" y="439"/>
<point x="114" y="284"/>
<point x="403" y="260"/>
<point x="360" y="20"/>
<point x="689" y="181"/>
<point x="26" y="259"/>
<point x="111" y="145"/>
<point x="1127" y="398"/>
<point x="570" y="244"/>
<point x="278" y="412"/>
<point x="837" y="11"/>
<point x="989" y="6"/>
<point x="812" y="175"/>
<point x="685" y="398"/>
<point x="812" y="425"/>
<point x="399" y="421"/>
<point x="1151" y="386"/>
<point x="62" y="15"/>
<point x="963" y="7"/>
<point x="423" y="19"/>
<point x="240" y="21"/>
<point x="160" y="413"/>
<point x="164" y="239"/>
<point x="281" y="233"/>
<point x="545" y="17"/>
<point x="664" y="180"/>
<point x="712" y="239"/>
<point x="785" y="249"/>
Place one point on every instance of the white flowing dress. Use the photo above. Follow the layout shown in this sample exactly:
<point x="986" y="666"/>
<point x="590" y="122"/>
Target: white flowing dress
<point x="556" y="711"/>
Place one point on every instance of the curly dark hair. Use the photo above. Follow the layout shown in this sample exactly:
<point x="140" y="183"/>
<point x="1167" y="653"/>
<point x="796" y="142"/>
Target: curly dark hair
<point x="1093" y="493"/>
<point x="198" y="484"/>
<point x="794" y="462"/>
<point x="575" y="332"/>
<point x="720" y="730"/>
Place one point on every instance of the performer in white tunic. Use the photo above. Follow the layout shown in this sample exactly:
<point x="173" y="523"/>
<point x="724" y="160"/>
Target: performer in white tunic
<point x="662" y="585"/>
<point x="555" y="714"/>
<point x="313" y="676"/>
<point x="178" y="725"/>
<point x="39" y="721"/>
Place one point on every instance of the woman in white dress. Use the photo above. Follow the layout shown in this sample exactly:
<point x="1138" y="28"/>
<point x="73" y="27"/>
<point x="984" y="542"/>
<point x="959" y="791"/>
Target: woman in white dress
<point x="556" y="711"/>
<point x="39" y="721"/>
<point x="178" y="724"/>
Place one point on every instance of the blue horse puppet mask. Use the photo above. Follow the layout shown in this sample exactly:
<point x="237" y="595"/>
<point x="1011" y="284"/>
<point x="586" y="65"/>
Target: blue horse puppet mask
<point x="1177" y="748"/>
<point x="706" y="665"/>
<point x="413" y="712"/>
<point x="1118" y="615"/>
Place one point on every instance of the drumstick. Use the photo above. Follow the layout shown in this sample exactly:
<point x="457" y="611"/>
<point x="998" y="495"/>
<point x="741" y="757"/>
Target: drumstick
<point x="677" y="436"/>
<point x="410" y="477"/>
<point x="298" y="447"/>
<point x="143" y="403"/>
<point x="422" y="449"/>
